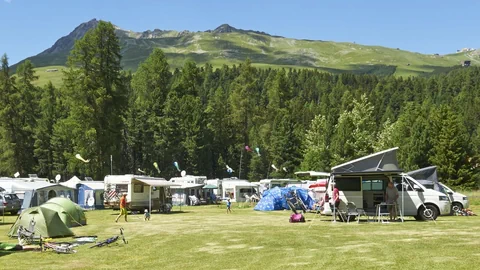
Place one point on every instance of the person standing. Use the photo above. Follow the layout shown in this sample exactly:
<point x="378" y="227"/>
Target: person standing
<point x="391" y="196"/>
<point x="336" y="196"/>
<point x="123" y="207"/>
<point x="229" y="206"/>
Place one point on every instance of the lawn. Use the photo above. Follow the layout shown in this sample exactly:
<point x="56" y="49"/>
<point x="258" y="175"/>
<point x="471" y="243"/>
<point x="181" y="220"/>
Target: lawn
<point x="205" y="237"/>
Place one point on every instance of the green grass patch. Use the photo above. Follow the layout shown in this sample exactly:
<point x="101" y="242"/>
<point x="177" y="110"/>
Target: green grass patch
<point x="205" y="237"/>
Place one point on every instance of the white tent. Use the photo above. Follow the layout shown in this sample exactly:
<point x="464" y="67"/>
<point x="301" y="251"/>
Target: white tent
<point x="72" y="183"/>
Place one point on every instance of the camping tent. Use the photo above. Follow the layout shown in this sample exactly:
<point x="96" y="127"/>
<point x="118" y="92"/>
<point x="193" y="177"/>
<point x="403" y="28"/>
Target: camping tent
<point x="90" y="194"/>
<point x="275" y="199"/>
<point x="428" y="177"/>
<point x="70" y="213"/>
<point x="72" y="182"/>
<point x="47" y="223"/>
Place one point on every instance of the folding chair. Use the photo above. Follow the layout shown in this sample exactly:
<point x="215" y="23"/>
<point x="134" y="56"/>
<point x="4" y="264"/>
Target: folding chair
<point x="352" y="210"/>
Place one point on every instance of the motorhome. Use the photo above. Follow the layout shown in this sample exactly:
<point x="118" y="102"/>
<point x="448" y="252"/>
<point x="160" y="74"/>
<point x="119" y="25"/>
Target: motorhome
<point x="363" y="182"/>
<point x="428" y="177"/>
<point x="143" y="192"/>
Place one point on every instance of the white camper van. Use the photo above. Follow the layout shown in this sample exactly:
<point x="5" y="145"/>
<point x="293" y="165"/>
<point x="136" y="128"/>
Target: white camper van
<point x="142" y="192"/>
<point x="363" y="182"/>
<point x="459" y="201"/>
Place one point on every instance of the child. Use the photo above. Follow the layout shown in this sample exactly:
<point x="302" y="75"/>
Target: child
<point x="229" y="205"/>
<point x="146" y="216"/>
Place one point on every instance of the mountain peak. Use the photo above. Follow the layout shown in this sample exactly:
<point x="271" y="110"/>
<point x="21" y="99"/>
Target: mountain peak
<point x="66" y="43"/>
<point x="225" y="28"/>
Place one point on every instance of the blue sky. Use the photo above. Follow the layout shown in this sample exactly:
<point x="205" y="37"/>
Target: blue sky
<point x="427" y="26"/>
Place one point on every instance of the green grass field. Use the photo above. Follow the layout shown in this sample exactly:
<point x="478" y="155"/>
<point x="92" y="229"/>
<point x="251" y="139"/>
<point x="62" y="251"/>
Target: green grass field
<point x="205" y="237"/>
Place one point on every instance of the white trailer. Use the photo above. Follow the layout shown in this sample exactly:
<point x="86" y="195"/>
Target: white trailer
<point x="143" y="192"/>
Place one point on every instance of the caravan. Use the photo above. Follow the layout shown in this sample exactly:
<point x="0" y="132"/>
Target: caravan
<point x="363" y="182"/>
<point x="143" y="192"/>
<point x="189" y="191"/>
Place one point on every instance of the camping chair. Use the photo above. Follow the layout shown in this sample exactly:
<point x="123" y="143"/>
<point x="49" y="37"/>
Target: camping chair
<point x="247" y="198"/>
<point x="25" y="236"/>
<point x="353" y="211"/>
<point x="255" y="198"/>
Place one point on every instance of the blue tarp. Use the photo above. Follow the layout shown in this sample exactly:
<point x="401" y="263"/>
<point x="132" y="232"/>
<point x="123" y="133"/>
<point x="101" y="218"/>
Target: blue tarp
<point x="274" y="199"/>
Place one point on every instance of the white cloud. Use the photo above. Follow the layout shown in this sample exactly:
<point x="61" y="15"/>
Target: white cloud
<point x="8" y="1"/>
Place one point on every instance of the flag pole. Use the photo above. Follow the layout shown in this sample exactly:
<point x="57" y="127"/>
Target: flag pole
<point x="240" y="167"/>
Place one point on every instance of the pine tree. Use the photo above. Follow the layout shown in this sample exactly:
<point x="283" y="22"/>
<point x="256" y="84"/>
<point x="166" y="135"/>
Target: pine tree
<point x="97" y="99"/>
<point x="44" y="131"/>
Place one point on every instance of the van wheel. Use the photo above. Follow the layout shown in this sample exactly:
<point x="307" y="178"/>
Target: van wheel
<point x="428" y="212"/>
<point x="417" y="217"/>
<point x="456" y="206"/>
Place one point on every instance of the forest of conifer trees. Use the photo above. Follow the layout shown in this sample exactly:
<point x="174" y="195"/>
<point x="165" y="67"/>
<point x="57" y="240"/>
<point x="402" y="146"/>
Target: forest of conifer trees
<point x="203" y="117"/>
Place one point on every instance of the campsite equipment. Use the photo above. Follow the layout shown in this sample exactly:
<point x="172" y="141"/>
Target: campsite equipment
<point x="69" y="212"/>
<point x="294" y="218"/>
<point x="85" y="239"/>
<point x="25" y="236"/>
<point x="111" y="240"/>
<point x="66" y="248"/>
<point x="47" y="223"/>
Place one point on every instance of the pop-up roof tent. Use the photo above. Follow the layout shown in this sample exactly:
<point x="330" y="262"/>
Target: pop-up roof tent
<point x="47" y="223"/>
<point x="428" y="177"/>
<point x="69" y="212"/>
<point x="378" y="162"/>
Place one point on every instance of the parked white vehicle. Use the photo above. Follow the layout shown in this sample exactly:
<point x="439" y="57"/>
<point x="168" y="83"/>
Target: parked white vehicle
<point x="236" y="189"/>
<point x="143" y="192"/>
<point x="271" y="183"/>
<point x="363" y="182"/>
<point x="459" y="201"/>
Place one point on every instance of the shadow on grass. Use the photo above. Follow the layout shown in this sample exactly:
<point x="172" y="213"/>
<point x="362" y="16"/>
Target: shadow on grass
<point x="7" y="223"/>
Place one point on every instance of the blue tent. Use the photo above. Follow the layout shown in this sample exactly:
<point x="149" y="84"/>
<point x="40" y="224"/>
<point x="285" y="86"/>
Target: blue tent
<point x="274" y="199"/>
<point x="91" y="191"/>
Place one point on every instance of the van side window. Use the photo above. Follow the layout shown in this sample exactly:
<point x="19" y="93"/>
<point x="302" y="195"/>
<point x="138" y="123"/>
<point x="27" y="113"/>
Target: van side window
<point x="373" y="185"/>
<point x="348" y="183"/>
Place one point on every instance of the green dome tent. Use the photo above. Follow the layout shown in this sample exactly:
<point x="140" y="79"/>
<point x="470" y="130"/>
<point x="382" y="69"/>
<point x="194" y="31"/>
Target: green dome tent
<point x="47" y="223"/>
<point x="70" y="213"/>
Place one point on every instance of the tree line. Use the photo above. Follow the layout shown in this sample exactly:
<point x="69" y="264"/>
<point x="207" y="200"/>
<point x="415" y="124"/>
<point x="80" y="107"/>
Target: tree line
<point x="203" y="118"/>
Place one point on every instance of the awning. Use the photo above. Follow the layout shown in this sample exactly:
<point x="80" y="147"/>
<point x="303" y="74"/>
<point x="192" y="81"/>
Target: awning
<point x="157" y="183"/>
<point x="210" y="187"/>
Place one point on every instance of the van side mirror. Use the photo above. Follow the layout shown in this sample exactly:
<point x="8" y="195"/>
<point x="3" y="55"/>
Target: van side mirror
<point x="417" y="188"/>
<point x="449" y="192"/>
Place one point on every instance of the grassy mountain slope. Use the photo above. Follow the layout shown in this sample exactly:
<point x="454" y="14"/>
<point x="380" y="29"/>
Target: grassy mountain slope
<point x="228" y="45"/>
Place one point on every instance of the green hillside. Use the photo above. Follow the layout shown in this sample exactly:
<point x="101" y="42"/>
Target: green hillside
<point x="228" y="45"/>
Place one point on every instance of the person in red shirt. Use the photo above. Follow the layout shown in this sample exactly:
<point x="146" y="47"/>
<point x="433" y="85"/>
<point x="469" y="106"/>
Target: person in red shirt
<point x="123" y="207"/>
<point x="336" y="196"/>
